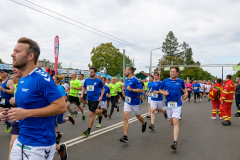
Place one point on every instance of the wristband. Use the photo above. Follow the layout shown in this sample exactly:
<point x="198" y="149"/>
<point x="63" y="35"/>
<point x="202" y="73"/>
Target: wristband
<point x="131" y="90"/>
<point x="4" y="90"/>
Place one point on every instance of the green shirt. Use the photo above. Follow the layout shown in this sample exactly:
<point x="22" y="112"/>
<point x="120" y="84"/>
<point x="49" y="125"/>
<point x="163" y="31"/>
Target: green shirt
<point x="114" y="87"/>
<point x="146" y="85"/>
<point x="76" y="84"/>
<point x="120" y="86"/>
<point x="15" y="89"/>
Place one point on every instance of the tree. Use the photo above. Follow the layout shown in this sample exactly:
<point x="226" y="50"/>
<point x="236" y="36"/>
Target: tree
<point x="186" y="54"/>
<point x="1" y="61"/>
<point x="237" y="74"/>
<point x="51" y="64"/>
<point x="106" y="56"/>
<point x="170" y="47"/>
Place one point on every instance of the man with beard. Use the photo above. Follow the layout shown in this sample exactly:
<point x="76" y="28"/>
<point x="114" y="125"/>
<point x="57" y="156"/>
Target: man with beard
<point x="172" y="88"/>
<point x="7" y="92"/>
<point x="133" y="87"/>
<point x="95" y="91"/>
<point x="38" y="100"/>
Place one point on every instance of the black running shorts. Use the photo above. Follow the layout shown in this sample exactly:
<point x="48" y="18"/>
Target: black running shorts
<point x="92" y="105"/>
<point x="72" y="99"/>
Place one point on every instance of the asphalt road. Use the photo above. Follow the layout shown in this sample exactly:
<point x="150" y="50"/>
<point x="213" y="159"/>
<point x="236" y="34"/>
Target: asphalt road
<point x="199" y="138"/>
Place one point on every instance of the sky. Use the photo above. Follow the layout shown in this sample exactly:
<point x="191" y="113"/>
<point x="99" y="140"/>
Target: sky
<point x="211" y="28"/>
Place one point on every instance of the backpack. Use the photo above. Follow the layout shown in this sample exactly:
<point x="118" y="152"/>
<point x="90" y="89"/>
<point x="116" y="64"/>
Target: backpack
<point x="214" y="93"/>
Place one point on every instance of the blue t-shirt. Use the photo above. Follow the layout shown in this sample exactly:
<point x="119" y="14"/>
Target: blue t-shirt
<point x="134" y="83"/>
<point x="62" y="91"/>
<point x="155" y="87"/>
<point x="37" y="90"/>
<point x="174" y="88"/>
<point x="196" y="85"/>
<point x="93" y="87"/>
<point x="106" y="91"/>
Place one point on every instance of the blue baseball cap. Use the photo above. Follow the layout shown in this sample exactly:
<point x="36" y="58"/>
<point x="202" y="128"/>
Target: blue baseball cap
<point x="63" y="80"/>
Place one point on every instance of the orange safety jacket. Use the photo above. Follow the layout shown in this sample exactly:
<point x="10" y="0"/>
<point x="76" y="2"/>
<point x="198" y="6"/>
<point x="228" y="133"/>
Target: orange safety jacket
<point x="219" y="86"/>
<point x="227" y="94"/>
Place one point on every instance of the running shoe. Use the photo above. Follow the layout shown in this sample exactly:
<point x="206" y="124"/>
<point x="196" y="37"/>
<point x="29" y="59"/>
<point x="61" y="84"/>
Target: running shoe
<point x="200" y="99"/>
<point x="109" y="116"/>
<point x="151" y="126"/>
<point x="59" y="137"/>
<point x="117" y="108"/>
<point x="174" y="145"/>
<point x="195" y="101"/>
<point x="71" y="119"/>
<point x="105" y="113"/>
<point x="236" y="115"/>
<point x="124" y="139"/>
<point x="63" y="152"/>
<point x="76" y="113"/>
<point x="226" y="123"/>
<point x="84" y="117"/>
<point x="86" y="133"/>
<point x="148" y="116"/>
<point x="144" y="127"/>
<point x="8" y="128"/>
<point x="165" y="115"/>
<point x="213" y="118"/>
<point x="119" y="101"/>
<point x="97" y="117"/>
<point x="98" y="125"/>
<point x="220" y="117"/>
<point x="73" y="115"/>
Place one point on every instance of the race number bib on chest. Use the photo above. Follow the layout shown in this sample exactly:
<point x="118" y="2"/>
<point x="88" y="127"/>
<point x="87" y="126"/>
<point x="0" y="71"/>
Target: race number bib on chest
<point x="128" y="99"/>
<point x="90" y="87"/>
<point x="195" y="88"/>
<point x="172" y="105"/>
<point x="188" y="89"/>
<point x="154" y="95"/>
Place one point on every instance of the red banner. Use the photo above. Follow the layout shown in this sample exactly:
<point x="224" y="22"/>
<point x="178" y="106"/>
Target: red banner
<point x="56" y="52"/>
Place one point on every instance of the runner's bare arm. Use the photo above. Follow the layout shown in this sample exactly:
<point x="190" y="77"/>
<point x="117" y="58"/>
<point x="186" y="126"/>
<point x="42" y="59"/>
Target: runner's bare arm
<point x="57" y="107"/>
<point x="11" y="89"/>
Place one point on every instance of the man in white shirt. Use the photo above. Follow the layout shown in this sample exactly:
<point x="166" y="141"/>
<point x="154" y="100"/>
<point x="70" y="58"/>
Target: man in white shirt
<point x="65" y="86"/>
<point x="203" y="86"/>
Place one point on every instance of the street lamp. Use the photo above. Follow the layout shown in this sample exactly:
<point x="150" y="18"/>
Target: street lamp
<point x="151" y="59"/>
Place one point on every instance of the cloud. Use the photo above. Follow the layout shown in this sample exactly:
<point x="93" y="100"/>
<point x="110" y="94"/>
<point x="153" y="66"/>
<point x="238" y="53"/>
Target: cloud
<point x="210" y="27"/>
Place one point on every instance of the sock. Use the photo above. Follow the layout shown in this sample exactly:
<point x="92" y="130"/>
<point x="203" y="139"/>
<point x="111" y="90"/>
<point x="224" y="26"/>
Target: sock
<point x="7" y="122"/>
<point x="89" y="129"/>
<point x="100" y="119"/>
<point x="124" y="136"/>
<point x="175" y="142"/>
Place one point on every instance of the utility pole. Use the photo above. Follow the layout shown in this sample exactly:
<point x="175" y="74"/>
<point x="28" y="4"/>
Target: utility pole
<point x="123" y="65"/>
<point x="151" y="60"/>
<point x="222" y="73"/>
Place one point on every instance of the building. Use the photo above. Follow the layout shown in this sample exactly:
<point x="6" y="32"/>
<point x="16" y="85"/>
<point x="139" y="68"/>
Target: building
<point x="41" y="63"/>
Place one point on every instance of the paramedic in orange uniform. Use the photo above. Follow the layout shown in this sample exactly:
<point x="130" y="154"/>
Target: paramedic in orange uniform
<point x="216" y="103"/>
<point x="226" y="99"/>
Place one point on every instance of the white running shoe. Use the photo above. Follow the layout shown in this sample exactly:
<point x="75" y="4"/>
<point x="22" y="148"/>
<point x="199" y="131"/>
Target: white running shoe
<point x="200" y="99"/>
<point x="213" y="117"/>
<point x="220" y="117"/>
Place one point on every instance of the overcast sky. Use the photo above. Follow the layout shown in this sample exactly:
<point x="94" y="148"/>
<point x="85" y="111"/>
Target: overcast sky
<point x="211" y="28"/>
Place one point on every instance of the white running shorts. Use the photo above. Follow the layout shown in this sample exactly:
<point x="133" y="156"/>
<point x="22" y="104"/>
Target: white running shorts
<point x="149" y="99"/>
<point x="135" y="108"/>
<point x="31" y="153"/>
<point x="156" y="104"/>
<point x="174" y="112"/>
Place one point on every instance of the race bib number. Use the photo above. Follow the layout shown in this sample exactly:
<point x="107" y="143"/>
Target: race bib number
<point x="90" y="88"/>
<point x="188" y="89"/>
<point x="195" y="88"/>
<point x="80" y="92"/>
<point x="172" y="104"/>
<point x="128" y="99"/>
<point x="154" y="95"/>
<point x="150" y="95"/>
<point x="101" y="103"/>
<point x="3" y="101"/>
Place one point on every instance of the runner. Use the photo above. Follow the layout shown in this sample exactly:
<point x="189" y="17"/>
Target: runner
<point x="103" y="103"/>
<point x="7" y="92"/>
<point x="132" y="88"/>
<point x="108" y="98"/>
<point x="60" y="120"/>
<point x="114" y="89"/>
<point x="208" y="86"/>
<point x="120" y="85"/>
<point x="38" y="100"/>
<point x="149" y="96"/>
<point x="172" y="88"/>
<point x="99" y="76"/>
<point x="189" y="89"/>
<point x="75" y="86"/>
<point x="196" y="88"/>
<point x="145" y="88"/>
<point x="93" y="86"/>
<point x="65" y="86"/>
<point x="202" y="89"/>
<point x="156" y="100"/>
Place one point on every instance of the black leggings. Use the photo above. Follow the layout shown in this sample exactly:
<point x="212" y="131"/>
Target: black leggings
<point x="237" y="99"/>
<point x="121" y="95"/>
<point x="114" y="101"/>
<point x="196" y="95"/>
<point x="189" y="94"/>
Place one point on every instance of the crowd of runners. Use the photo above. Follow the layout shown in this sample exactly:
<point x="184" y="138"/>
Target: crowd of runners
<point x="33" y="103"/>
